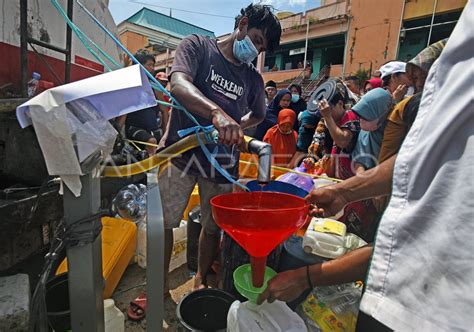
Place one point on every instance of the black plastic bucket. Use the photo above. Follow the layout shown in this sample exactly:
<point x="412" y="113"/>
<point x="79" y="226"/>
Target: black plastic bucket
<point x="57" y="303"/>
<point x="205" y="310"/>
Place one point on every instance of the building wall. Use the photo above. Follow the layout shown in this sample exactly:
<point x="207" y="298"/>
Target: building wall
<point x="421" y="8"/>
<point x="329" y="19"/>
<point x="373" y="33"/>
<point x="133" y="41"/>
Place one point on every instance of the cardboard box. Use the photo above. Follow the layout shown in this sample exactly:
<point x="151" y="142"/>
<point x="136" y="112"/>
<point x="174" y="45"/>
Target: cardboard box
<point x="178" y="256"/>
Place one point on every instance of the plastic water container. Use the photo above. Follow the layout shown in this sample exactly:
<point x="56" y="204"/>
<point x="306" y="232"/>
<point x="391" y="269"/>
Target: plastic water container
<point x="325" y="237"/>
<point x="118" y="248"/>
<point x="271" y="317"/>
<point x="114" y="320"/>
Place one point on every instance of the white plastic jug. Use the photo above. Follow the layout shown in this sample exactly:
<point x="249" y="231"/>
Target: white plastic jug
<point x="114" y="320"/>
<point x="325" y="237"/>
<point x="271" y="317"/>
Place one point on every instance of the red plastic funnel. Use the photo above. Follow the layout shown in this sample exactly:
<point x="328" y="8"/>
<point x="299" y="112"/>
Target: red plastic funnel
<point x="259" y="221"/>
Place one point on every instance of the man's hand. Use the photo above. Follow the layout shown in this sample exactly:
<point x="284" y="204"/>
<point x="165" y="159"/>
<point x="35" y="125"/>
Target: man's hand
<point x="400" y="92"/>
<point x="285" y="286"/>
<point x="325" y="202"/>
<point x="325" y="108"/>
<point x="230" y="132"/>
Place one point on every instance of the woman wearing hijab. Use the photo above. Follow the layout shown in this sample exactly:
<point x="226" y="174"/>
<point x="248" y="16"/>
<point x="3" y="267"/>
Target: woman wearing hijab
<point x="298" y="105"/>
<point x="372" y="110"/>
<point x="282" y="138"/>
<point x="282" y="100"/>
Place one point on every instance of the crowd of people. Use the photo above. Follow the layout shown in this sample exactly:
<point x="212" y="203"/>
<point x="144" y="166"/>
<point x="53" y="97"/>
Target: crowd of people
<point x="355" y="135"/>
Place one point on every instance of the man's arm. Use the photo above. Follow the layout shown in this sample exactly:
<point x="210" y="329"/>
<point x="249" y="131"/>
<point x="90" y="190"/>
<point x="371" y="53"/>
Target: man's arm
<point x="251" y="119"/>
<point x="288" y="285"/>
<point x="341" y="137"/>
<point x="374" y="182"/>
<point x="189" y="96"/>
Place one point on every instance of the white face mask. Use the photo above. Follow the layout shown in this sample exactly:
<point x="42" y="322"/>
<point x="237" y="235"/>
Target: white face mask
<point x="410" y="91"/>
<point x="244" y="50"/>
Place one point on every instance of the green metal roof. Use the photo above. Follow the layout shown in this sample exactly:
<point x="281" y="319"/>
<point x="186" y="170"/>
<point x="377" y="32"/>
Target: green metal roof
<point x="151" y="19"/>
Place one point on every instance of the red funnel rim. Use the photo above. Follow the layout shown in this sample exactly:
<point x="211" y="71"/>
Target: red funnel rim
<point x="214" y="201"/>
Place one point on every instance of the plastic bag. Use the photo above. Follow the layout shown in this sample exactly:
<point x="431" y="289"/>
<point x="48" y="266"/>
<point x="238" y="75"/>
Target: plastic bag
<point x="271" y="317"/>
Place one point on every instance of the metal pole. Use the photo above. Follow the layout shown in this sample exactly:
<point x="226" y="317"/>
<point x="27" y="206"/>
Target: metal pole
<point x="24" y="47"/>
<point x="67" y="70"/>
<point x="306" y="44"/>
<point x="85" y="262"/>
<point x="400" y="30"/>
<point x="432" y="21"/>
<point x="155" y="239"/>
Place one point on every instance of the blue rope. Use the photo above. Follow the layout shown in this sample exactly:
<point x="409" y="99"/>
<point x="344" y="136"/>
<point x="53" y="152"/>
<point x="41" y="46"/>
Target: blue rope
<point x="155" y="84"/>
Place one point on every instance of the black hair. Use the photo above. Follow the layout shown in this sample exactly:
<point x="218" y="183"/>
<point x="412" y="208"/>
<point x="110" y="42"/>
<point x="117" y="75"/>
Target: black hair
<point x="336" y="98"/>
<point x="143" y="56"/>
<point x="386" y="79"/>
<point x="261" y="17"/>
<point x="270" y="84"/>
<point x="297" y="86"/>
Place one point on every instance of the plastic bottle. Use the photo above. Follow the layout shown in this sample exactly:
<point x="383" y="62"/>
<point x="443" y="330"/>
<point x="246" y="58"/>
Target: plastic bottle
<point x="332" y="308"/>
<point x="114" y="319"/>
<point x="33" y="84"/>
<point x="325" y="238"/>
<point x="130" y="202"/>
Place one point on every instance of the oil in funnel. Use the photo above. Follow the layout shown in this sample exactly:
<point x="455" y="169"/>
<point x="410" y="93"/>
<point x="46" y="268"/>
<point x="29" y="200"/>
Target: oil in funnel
<point x="259" y="221"/>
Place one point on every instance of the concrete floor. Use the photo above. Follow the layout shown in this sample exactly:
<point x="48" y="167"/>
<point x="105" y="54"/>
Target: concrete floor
<point x="180" y="284"/>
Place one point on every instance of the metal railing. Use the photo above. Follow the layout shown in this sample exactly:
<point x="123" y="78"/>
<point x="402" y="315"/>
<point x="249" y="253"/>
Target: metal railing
<point x="309" y="88"/>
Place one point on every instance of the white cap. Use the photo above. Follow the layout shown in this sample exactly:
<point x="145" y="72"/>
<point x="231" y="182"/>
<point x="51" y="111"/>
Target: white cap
<point x="392" y="67"/>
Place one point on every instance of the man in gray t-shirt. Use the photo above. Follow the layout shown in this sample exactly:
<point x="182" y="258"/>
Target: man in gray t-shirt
<point x="217" y="82"/>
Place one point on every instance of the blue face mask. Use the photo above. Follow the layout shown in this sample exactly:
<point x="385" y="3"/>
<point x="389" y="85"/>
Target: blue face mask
<point x="295" y="98"/>
<point x="244" y="50"/>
